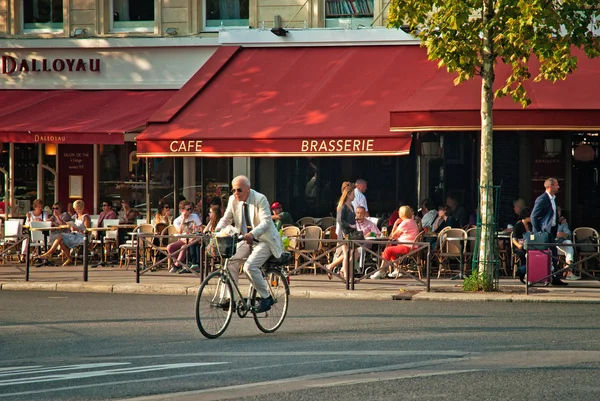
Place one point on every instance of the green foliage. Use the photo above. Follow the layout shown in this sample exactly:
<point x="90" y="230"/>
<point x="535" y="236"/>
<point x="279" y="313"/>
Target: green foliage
<point x="478" y="282"/>
<point x="463" y="35"/>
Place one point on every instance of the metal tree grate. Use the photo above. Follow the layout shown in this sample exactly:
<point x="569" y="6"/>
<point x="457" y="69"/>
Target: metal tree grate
<point x="491" y="265"/>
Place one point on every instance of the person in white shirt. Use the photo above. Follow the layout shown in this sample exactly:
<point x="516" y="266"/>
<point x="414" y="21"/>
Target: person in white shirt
<point x="186" y="223"/>
<point x="360" y="187"/>
<point x="429" y="214"/>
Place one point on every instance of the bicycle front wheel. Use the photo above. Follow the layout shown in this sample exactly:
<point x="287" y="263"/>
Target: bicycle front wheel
<point x="214" y="305"/>
<point x="279" y="289"/>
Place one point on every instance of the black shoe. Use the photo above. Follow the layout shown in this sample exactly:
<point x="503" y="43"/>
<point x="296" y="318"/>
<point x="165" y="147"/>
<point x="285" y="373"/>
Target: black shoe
<point x="558" y="282"/>
<point x="224" y="305"/>
<point x="265" y="305"/>
<point x="522" y="279"/>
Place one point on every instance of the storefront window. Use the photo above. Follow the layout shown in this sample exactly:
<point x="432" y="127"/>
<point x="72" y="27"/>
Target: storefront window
<point x="224" y="13"/>
<point x="133" y="15"/>
<point x="43" y="15"/>
<point x="3" y="177"/>
<point x="312" y="186"/>
<point x="214" y="175"/>
<point x="123" y="176"/>
<point x="25" y="179"/>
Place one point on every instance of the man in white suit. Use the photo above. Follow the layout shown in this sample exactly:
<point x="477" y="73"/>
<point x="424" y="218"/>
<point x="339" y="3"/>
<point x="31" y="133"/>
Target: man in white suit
<point x="249" y="212"/>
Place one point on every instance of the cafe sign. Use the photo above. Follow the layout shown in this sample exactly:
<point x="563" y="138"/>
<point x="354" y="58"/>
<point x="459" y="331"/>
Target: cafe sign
<point x="151" y="146"/>
<point x="14" y="65"/>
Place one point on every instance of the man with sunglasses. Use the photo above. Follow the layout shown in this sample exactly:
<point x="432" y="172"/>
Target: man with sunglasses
<point x="107" y="213"/>
<point x="186" y="223"/>
<point x="250" y="213"/>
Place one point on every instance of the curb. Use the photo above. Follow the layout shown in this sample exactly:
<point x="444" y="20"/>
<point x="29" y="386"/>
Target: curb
<point x="449" y="297"/>
<point x="371" y="295"/>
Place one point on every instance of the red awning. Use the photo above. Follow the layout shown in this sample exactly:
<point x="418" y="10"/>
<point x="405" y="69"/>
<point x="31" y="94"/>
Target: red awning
<point x="72" y="116"/>
<point x="325" y="101"/>
<point x="431" y="102"/>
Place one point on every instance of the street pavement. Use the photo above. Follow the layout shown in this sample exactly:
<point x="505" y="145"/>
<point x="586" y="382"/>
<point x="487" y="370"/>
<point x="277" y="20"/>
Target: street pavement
<point x="113" y="279"/>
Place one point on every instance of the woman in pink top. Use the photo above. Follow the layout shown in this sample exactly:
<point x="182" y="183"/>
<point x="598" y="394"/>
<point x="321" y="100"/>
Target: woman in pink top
<point x="406" y="231"/>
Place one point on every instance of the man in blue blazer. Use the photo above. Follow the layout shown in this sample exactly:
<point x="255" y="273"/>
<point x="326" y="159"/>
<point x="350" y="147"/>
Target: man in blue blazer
<point x="544" y="217"/>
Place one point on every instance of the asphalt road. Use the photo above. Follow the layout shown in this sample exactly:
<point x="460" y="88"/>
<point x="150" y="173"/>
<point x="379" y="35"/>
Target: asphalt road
<point x="69" y="346"/>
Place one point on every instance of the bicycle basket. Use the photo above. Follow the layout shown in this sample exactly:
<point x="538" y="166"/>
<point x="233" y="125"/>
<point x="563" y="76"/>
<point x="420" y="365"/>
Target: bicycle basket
<point x="223" y="247"/>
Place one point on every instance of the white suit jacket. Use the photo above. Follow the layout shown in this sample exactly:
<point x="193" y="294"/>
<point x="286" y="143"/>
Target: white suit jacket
<point x="263" y="228"/>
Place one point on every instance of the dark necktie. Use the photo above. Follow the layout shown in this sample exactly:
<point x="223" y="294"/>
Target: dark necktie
<point x="248" y="227"/>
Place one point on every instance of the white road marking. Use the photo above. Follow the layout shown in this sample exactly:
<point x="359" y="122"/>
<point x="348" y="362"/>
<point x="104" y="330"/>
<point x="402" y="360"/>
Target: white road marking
<point x="63" y="368"/>
<point x="300" y="382"/>
<point x="11" y="368"/>
<point x="98" y="373"/>
<point x="170" y="377"/>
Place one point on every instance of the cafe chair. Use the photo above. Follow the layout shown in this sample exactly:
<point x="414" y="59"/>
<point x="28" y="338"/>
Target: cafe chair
<point x="305" y="222"/>
<point x="452" y="245"/>
<point x="127" y="250"/>
<point x="514" y="259"/>
<point x="326" y="222"/>
<point x="310" y="246"/>
<point x="586" y="244"/>
<point x="171" y="231"/>
<point x="37" y="240"/>
<point x="330" y="234"/>
<point x="110" y="237"/>
<point x="11" y="241"/>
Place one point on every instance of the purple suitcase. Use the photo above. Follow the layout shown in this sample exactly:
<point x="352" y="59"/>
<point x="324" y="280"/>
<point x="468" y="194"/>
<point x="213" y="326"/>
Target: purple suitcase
<point x="539" y="265"/>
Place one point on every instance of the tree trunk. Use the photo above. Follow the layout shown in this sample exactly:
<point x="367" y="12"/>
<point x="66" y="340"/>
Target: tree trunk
<point x="486" y="199"/>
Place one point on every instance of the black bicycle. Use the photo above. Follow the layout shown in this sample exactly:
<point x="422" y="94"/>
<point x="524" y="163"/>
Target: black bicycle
<point x="217" y="300"/>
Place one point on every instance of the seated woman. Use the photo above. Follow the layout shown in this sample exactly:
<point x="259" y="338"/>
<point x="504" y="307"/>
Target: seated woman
<point x="214" y="215"/>
<point x="406" y="231"/>
<point x="164" y="214"/>
<point x="186" y="223"/>
<point x="68" y="241"/>
<point x="59" y="218"/>
<point x="127" y="215"/>
<point x="445" y="219"/>
<point x="37" y="214"/>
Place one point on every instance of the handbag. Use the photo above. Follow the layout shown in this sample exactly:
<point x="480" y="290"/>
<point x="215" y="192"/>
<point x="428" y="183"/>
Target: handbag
<point x="355" y="235"/>
<point x="532" y="239"/>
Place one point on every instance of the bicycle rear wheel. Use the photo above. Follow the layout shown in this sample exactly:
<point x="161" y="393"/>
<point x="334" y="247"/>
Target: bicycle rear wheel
<point x="214" y="306"/>
<point x="279" y="289"/>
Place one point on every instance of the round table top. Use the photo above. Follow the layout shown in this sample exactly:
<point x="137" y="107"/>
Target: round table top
<point x="55" y="228"/>
<point x="123" y="226"/>
<point x="109" y="228"/>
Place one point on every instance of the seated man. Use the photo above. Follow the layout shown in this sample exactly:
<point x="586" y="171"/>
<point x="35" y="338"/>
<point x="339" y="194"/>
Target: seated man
<point x="187" y="223"/>
<point x="368" y="228"/>
<point x="249" y="212"/>
<point x="563" y="236"/>
<point x="429" y="214"/>
<point x="280" y="218"/>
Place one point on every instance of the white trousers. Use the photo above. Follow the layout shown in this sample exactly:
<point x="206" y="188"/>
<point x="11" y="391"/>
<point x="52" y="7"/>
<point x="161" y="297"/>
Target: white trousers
<point x="256" y="258"/>
<point x="568" y="251"/>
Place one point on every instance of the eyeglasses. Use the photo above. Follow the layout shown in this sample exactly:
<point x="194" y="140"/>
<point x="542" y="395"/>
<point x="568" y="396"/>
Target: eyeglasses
<point x="166" y="207"/>
<point x="189" y="209"/>
<point x="234" y="190"/>
<point x="104" y="205"/>
<point x="54" y="208"/>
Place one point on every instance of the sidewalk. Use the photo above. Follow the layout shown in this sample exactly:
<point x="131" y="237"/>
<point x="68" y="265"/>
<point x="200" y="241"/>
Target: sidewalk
<point x="121" y="281"/>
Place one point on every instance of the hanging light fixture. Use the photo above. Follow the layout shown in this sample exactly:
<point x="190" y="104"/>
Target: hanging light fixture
<point x="50" y="149"/>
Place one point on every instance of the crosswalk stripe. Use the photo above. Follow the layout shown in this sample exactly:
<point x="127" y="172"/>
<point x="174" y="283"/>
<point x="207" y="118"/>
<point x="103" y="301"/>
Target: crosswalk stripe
<point x="98" y="373"/>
